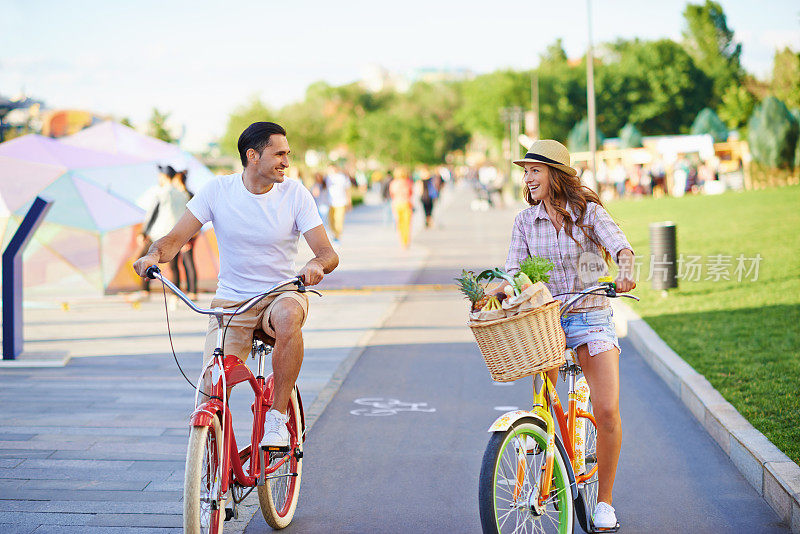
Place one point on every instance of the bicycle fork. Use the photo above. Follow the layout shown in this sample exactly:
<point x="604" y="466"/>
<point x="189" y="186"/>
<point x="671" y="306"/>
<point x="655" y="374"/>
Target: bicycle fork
<point x="539" y="403"/>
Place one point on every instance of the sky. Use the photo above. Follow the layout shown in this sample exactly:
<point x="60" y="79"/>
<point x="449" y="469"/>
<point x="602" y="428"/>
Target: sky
<point x="200" y="60"/>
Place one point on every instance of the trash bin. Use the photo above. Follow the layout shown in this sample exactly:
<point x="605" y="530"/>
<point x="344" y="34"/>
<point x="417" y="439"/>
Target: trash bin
<point x="663" y="251"/>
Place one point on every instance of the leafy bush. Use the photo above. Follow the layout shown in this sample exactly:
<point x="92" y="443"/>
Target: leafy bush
<point x="773" y="133"/>
<point x="578" y="139"/>
<point x="630" y="137"/>
<point x="707" y="122"/>
<point x="796" y="115"/>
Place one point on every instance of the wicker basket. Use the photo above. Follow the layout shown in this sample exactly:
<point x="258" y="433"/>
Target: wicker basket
<point x="522" y="345"/>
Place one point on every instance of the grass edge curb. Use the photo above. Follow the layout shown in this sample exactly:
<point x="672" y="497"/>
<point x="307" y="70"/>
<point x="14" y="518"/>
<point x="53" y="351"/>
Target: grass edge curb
<point x="771" y="472"/>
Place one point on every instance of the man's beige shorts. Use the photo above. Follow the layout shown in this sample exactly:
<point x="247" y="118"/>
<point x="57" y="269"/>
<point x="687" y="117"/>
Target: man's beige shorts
<point x="239" y="336"/>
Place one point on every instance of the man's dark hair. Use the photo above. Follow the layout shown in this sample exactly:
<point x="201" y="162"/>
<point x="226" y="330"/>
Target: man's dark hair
<point x="257" y="137"/>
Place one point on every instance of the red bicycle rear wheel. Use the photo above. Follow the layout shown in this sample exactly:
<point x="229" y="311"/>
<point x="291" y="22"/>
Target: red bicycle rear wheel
<point x="200" y="515"/>
<point x="279" y="495"/>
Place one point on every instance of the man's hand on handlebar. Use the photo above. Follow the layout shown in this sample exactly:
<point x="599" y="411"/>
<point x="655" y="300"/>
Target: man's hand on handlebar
<point x="141" y="265"/>
<point x="312" y="272"/>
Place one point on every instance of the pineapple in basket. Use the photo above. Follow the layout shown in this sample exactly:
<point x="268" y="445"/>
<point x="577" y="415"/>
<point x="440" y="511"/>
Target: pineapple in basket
<point x="472" y="289"/>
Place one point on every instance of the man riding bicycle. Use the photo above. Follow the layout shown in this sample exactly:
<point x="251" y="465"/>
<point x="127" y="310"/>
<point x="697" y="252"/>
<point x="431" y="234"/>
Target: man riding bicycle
<point x="258" y="217"/>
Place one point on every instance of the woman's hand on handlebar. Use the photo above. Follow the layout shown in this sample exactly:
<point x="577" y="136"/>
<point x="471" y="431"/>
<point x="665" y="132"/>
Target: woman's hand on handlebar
<point x="312" y="272"/>
<point x="624" y="280"/>
<point x="141" y="265"/>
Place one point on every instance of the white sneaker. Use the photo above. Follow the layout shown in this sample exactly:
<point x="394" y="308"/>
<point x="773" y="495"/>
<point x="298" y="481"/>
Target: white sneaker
<point x="275" y="432"/>
<point x="604" y="516"/>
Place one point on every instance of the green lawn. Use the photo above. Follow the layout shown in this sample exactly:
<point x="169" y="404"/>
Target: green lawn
<point x="742" y="336"/>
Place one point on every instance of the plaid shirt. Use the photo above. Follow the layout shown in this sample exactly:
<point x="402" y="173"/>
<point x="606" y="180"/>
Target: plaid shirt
<point x="534" y="235"/>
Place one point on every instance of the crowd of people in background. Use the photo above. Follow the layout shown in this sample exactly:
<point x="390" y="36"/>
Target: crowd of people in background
<point x="401" y="192"/>
<point x="405" y="191"/>
<point x="684" y="174"/>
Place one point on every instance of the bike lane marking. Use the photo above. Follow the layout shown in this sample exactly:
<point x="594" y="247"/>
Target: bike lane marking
<point x="381" y="406"/>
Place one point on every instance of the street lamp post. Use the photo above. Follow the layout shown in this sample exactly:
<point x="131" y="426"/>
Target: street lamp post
<point x="512" y="118"/>
<point x="590" y="93"/>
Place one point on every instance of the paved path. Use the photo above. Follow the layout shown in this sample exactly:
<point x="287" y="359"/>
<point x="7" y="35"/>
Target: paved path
<point x="99" y="445"/>
<point x="417" y="471"/>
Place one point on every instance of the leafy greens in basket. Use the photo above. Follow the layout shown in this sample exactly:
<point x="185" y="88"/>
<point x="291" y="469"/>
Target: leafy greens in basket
<point x="538" y="269"/>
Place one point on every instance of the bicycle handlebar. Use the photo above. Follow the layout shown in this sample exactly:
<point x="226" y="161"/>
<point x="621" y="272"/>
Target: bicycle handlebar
<point x="153" y="272"/>
<point x="609" y="290"/>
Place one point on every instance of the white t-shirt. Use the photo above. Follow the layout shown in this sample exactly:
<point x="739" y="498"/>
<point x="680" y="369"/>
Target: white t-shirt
<point x="338" y="185"/>
<point x="256" y="234"/>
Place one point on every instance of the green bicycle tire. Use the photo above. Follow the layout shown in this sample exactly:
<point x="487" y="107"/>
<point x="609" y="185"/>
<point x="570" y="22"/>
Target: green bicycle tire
<point x="496" y="517"/>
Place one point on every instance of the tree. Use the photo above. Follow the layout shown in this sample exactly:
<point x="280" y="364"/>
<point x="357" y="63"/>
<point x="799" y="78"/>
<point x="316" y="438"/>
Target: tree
<point x="417" y="127"/>
<point x="737" y="106"/>
<point x="653" y="84"/>
<point x="707" y="122"/>
<point x="578" y="139"/>
<point x="630" y="137"/>
<point x="786" y="77"/>
<point x="157" y="126"/>
<point x="711" y="44"/>
<point x="554" y="54"/>
<point x="772" y="134"/>
<point x="486" y="94"/>
<point x="241" y="118"/>
<point x="125" y="121"/>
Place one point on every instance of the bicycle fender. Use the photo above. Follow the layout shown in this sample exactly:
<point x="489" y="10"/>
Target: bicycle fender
<point x="504" y="422"/>
<point x="203" y="415"/>
<point x="302" y="413"/>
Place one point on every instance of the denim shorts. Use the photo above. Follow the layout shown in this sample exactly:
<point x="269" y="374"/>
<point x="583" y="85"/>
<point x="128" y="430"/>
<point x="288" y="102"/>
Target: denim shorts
<point x="590" y="327"/>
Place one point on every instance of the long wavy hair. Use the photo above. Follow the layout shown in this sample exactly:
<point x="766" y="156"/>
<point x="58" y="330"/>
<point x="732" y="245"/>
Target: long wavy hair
<point x="567" y="188"/>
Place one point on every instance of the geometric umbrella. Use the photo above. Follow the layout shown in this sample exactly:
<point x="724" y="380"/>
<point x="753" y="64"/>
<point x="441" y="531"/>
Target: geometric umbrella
<point x="87" y="230"/>
<point x="137" y="183"/>
<point x="87" y="241"/>
<point x="115" y="138"/>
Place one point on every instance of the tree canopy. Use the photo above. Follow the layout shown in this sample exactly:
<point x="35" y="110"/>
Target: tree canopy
<point x="712" y="46"/>
<point x="157" y="126"/>
<point x="659" y="86"/>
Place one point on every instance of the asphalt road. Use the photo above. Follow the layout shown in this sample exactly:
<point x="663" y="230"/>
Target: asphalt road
<point x="417" y="470"/>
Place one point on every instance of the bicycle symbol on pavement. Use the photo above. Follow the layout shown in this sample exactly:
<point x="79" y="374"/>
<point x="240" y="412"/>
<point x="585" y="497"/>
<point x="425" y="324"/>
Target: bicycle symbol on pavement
<point x="379" y="406"/>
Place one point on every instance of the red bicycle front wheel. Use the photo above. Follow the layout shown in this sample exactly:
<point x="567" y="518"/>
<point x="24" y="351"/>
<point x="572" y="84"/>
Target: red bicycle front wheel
<point x="200" y="490"/>
<point x="279" y="495"/>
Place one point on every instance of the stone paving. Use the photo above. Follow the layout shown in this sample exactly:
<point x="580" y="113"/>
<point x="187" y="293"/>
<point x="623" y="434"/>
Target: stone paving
<point x="98" y="445"/>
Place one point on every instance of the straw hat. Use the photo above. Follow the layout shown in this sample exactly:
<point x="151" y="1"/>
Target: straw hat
<point x="550" y="153"/>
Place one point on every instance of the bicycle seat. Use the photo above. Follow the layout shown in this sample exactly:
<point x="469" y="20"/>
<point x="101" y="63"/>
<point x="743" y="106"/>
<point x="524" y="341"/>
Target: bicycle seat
<point x="262" y="336"/>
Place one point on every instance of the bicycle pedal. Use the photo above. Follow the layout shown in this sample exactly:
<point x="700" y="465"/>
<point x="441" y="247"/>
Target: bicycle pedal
<point x="611" y="529"/>
<point x="275" y="448"/>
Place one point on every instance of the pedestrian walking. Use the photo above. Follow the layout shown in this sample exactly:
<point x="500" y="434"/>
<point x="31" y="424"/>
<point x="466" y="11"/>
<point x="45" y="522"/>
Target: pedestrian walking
<point x="428" y="195"/>
<point x="338" y="185"/>
<point x="386" y="198"/>
<point x="401" y="190"/>
<point x="187" y="251"/>
<point x="319" y="190"/>
<point x="166" y="204"/>
<point x="564" y="222"/>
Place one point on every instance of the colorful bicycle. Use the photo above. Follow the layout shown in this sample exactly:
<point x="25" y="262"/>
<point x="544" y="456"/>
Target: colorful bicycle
<point x="218" y="473"/>
<point x="533" y="479"/>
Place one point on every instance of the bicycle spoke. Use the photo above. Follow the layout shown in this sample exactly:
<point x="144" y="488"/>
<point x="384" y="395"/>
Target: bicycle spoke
<point x="502" y="520"/>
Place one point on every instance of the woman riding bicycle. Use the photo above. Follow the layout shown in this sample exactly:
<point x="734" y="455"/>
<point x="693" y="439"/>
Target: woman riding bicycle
<point x="568" y="225"/>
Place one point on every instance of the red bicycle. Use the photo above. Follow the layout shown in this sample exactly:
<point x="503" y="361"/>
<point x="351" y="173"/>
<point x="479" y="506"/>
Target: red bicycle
<point x="218" y="473"/>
